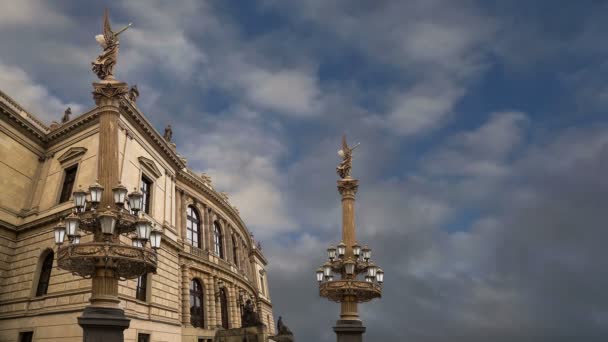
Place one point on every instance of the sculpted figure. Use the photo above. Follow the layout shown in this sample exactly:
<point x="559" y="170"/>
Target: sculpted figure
<point x="133" y="93"/>
<point x="250" y="317"/>
<point x="283" y="332"/>
<point x="168" y="133"/>
<point x="282" y="328"/>
<point x="66" y="115"/>
<point x="346" y="153"/>
<point x="103" y="66"/>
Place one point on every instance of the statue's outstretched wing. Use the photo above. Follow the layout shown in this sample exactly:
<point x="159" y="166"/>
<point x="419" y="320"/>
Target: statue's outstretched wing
<point x="344" y="144"/>
<point x="108" y="35"/>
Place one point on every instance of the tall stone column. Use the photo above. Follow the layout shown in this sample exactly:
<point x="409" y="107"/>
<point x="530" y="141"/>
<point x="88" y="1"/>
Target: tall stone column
<point x="228" y="243"/>
<point x="349" y="327"/>
<point x="178" y="210"/>
<point x="209" y="229"/>
<point x="185" y="296"/>
<point x="209" y="302"/>
<point x="103" y="320"/>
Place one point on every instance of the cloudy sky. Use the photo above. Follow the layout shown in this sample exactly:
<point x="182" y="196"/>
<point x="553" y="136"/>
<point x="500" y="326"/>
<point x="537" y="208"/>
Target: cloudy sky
<point x="484" y="143"/>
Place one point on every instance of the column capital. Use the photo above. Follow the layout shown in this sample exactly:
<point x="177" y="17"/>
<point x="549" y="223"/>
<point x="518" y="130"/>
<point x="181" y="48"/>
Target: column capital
<point x="348" y="187"/>
<point x="107" y="93"/>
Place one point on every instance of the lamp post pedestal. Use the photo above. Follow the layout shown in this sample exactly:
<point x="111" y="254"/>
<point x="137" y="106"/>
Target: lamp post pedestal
<point x="349" y="330"/>
<point x="103" y="324"/>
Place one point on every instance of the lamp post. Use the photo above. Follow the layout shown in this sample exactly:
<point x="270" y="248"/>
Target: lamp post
<point x="104" y="258"/>
<point x="348" y="261"/>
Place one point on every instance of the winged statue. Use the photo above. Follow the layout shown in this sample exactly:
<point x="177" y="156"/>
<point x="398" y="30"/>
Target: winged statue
<point x="103" y="66"/>
<point x="346" y="153"/>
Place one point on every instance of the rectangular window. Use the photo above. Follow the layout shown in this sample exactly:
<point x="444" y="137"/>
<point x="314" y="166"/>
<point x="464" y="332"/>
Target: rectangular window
<point x="146" y="189"/>
<point x="142" y="284"/>
<point x="262" y="285"/>
<point x="26" y="336"/>
<point x="68" y="183"/>
<point x="143" y="337"/>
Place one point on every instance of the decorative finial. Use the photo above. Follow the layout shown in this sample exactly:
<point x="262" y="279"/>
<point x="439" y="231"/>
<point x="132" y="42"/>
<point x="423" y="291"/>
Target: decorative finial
<point x="346" y="153"/>
<point x="103" y="66"/>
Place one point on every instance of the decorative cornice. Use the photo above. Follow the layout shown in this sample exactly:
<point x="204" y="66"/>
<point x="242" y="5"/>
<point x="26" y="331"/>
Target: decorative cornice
<point x="77" y="124"/>
<point x="4" y="98"/>
<point x="258" y="253"/>
<point x="24" y="125"/>
<point x="146" y="127"/>
<point x="150" y="166"/>
<point x="71" y="153"/>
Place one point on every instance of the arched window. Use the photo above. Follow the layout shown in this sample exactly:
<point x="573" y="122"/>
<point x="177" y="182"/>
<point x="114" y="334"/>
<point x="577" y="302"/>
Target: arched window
<point x="197" y="317"/>
<point x="235" y="254"/>
<point x="224" y="307"/>
<point x="193" y="224"/>
<point x="45" y="274"/>
<point x="217" y="240"/>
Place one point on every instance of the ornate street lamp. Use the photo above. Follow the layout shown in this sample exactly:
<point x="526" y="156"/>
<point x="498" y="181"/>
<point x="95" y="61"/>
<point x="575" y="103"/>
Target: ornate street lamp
<point x="80" y="197"/>
<point x="331" y="253"/>
<point x="120" y="194"/>
<point x="59" y="233"/>
<point x="105" y="258"/>
<point x="95" y="190"/>
<point x="351" y="263"/>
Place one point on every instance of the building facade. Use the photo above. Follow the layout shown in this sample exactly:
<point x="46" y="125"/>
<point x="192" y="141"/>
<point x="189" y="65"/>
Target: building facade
<point x="208" y="264"/>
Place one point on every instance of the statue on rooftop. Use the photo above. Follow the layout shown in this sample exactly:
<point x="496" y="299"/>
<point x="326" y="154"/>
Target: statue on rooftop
<point x="66" y="115"/>
<point x="133" y="93"/>
<point x="103" y="66"/>
<point x="168" y="133"/>
<point x="346" y="153"/>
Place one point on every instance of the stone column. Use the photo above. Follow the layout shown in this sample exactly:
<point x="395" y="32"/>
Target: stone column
<point x="178" y="218"/>
<point x="209" y="228"/>
<point x="185" y="296"/>
<point x="183" y="216"/>
<point x="209" y="302"/>
<point x="103" y="320"/>
<point x="218" y="305"/>
<point x="232" y="305"/>
<point x="228" y="243"/>
<point x="349" y="327"/>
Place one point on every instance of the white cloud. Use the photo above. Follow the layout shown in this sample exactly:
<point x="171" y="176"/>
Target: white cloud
<point x="26" y="12"/>
<point x="291" y="92"/>
<point x="423" y="108"/>
<point x="480" y="152"/>
<point x="34" y="97"/>
<point x="242" y="157"/>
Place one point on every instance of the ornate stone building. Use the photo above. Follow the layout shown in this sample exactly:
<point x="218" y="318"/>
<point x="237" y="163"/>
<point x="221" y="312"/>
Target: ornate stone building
<point x="208" y="263"/>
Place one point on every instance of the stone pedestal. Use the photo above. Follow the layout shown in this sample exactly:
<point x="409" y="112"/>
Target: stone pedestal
<point x="103" y="324"/>
<point x="349" y="330"/>
<point x="249" y="334"/>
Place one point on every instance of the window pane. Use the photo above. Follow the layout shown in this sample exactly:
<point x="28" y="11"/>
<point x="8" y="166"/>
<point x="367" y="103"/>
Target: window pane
<point x="142" y="285"/>
<point x="26" y="336"/>
<point x="45" y="275"/>
<point x="68" y="184"/>
<point x="146" y="189"/>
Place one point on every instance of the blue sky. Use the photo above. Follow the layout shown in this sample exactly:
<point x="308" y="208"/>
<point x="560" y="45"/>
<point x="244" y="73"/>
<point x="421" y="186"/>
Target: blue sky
<point x="482" y="129"/>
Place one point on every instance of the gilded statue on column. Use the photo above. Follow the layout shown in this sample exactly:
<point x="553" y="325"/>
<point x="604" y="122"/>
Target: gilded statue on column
<point x="103" y="66"/>
<point x="346" y="153"/>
